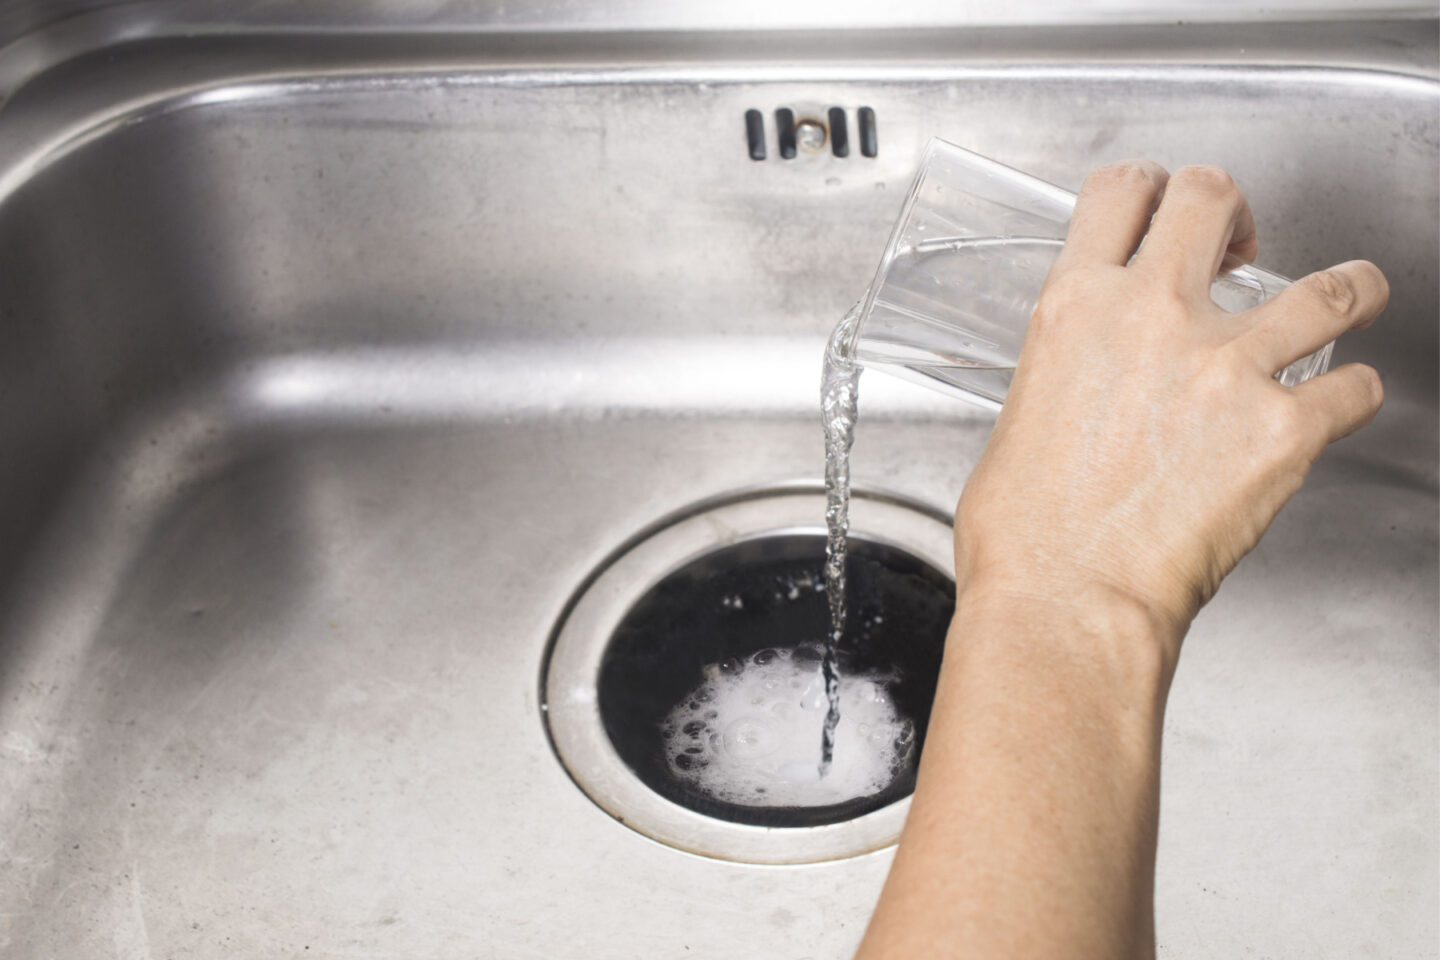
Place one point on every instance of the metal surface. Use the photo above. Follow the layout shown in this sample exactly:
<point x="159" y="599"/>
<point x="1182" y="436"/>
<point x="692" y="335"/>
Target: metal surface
<point x="333" y="363"/>
<point x="104" y="21"/>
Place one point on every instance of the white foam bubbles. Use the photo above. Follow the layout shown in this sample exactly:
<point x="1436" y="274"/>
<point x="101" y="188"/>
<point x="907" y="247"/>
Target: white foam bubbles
<point x="750" y="734"/>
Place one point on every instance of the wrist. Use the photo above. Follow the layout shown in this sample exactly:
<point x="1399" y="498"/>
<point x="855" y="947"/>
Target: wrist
<point x="1117" y="635"/>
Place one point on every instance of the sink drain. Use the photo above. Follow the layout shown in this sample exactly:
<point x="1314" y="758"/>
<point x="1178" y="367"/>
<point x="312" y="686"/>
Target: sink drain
<point x="682" y="690"/>
<point x="743" y="743"/>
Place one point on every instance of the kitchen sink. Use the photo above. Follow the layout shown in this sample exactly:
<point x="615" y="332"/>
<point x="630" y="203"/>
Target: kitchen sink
<point x="336" y="360"/>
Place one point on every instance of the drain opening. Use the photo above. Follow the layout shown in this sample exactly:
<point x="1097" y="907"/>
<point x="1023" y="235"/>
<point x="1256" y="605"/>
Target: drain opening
<point x="710" y="688"/>
<point x="722" y="584"/>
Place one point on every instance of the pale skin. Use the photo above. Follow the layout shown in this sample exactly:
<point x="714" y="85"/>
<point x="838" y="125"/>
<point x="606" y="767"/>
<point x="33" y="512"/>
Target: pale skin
<point x="1143" y="449"/>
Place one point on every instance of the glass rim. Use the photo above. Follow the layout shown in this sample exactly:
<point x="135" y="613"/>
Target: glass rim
<point x="1246" y="275"/>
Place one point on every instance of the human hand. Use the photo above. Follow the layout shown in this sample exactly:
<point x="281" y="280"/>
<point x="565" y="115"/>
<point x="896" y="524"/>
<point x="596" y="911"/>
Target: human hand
<point x="1144" y="446"/>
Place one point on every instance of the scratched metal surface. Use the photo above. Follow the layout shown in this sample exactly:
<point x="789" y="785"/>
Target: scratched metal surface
<point x="332" y="364"/>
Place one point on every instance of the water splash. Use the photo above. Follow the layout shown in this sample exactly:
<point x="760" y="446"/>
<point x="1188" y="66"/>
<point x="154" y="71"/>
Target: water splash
<point x="746" y="734"/>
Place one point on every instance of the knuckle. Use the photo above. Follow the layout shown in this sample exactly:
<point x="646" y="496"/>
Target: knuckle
<point x="1334" y="290"/>
<point x="1166" y="304"/>
<point x="1047" y="313"/>
<point x="1127" y="174"/>
<point x="1063" y="285"/>
<point x="1216" y="379"/>
<point x="1061" y="293"/>
<point x="1284" y="423"/>
<point x="1211" y="180"/>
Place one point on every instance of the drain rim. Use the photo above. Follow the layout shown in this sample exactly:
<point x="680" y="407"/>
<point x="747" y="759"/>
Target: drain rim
<point x="569" y="696"/>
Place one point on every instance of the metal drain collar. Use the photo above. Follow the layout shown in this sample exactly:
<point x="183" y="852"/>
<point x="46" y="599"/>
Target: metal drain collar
<point x="570" y="699"/>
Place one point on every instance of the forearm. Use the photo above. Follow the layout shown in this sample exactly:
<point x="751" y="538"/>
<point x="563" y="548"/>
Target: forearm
<point x="1143" y="449"/>
<point x="1032" y="828"/>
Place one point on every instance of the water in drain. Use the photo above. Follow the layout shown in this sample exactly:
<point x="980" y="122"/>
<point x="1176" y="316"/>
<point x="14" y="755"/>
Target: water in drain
<point x="747" y="734"/>
<point x="711" y="688"/>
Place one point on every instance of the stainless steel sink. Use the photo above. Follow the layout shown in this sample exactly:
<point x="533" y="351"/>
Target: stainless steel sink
<point x="334" y="360"/>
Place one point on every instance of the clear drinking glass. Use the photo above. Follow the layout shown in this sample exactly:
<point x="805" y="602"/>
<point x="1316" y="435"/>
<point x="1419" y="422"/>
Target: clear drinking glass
<point x="963" y="270"/>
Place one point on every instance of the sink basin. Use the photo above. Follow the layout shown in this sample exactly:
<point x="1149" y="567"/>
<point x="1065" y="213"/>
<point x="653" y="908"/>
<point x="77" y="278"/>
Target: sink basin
<point x="336" y="360"/>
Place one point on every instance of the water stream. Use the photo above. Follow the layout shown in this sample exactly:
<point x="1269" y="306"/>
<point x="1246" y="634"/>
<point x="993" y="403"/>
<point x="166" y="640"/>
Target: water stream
<point x="839" y="407"/>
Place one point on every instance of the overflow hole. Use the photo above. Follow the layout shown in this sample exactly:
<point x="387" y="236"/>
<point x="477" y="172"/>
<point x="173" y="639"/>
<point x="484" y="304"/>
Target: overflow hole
<point x="839" y="133"/>
<point x="785" y="132"/>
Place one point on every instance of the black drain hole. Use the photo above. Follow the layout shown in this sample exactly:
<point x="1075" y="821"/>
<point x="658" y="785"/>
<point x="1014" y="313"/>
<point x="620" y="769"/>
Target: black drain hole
<point x="900" y="607"/>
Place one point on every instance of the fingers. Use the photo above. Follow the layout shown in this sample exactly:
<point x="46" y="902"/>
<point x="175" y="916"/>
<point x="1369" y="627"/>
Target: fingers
<point x="1341" y="401"/>
<point x="1112" y="213"/>
<point x="1203" y="222"/>
<point x="1313" y="311"/>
